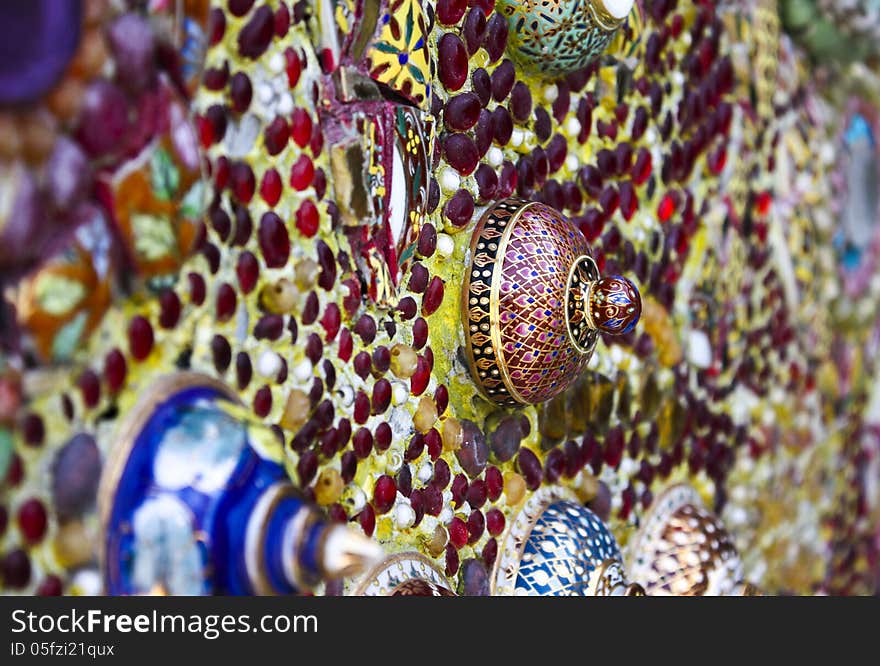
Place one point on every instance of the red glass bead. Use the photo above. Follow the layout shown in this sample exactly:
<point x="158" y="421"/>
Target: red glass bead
<point x="362" y="364"/>
<point x="240" y="7"/>
<point x="717" y="160"/>
<point x="140" y="338"/>
<point x="221" y="353"/>
<point x="476" y="493"/>
<point x="613" y="447"/>
<point x="33" y="430"/>
<point x="271" y="187"/>
<point x="226" y="302"/>
<point x="15" y="569"/>
<point x="316" y="145"/>
<point x="420" y="333"/>
<point x="502" y="125"/>
<point x="50" y="587"/>
<point x="276" y="136"/>
<point x="459" y="488"/>
<point x="562" y="103"/>
<point x="381" y="359"/>
<point x="490" y="553"/>
<point x="301" y="173"/>
<point x="442" y="475"/>
<point x="327" y="261"/>
<point x="507" y="180"/>
<point x="666" y="207"/>
<point x="212" y="254"/>
<point x="460" y="208"/>
<point x="282" y="20"/>
<point x="115" y="370"/>
<point x="197" y="288"/>
<point x="452" y="560"/>
<point x="585" y="118"/>
<point x="15" y="472"/>
<point x="307" y="218"/>
<point x="495" y="40"/>
<point x="307" y="467"/>
<point x="293" y="66"/>
<point x="555" y="465"/>
<point x="169" y="308"/>
<point x="248" y="271"/>
<point x="628" y="498"/>
<point x="462" y="111"/>
<point x="240" y="92"/>
<point x="433" y="296"/>
<point x="763" y="202"/>
<point x="314" y="348"/>
<point x="441" y="398"/>
<point x="495" y="522"/>
<point x="458" y="532"/>
<point x="367" y="520"/>
<point x="415" y="448"/>
<point x="346" y="344"/>
<point x="362" y="443"/>
<point x="221" y="172"/>
<point x="269" y="327"/>
<point x="242" y="182"/>
<point x="452" y="61"/>
<point x="336" y="513"/>
<point x="381" y="396"/>
<point x="331" y="321"/>
<point x="487" y="186"/>
<point x="641" y="170"/>
<point x="530" y="467"/>
<point x="609" y="200"/>
<point x="255" y="36"/>
<point x="310" y="309"/>
<point x="33" y="520"/>
<point x="274" y="241"/>
<point x="474" y="29"/>
<point x="90" y="386"/>
<point x="427" y="243"/>
<point x="361" y="407"/>
<point x="407" y="308"/>
<point x="482" y="85"/>
<point x="520" y="102"/>
<point x="503" y="79"/>
<point x="494" y="483"/>
<point x="216" y="25"/>
<point x="431" y="500"/>
<point x="348" y="466"/>
<point x="382" y="436"/>
<point x="263" y="401"/>
<point x="384" y="494"/>
<point x="461" y="153"/>
<point x="434" y="443"/>
<point x="449" y="12"/>
<point x="366" y="328"/>
<point x="421" y="377"/>
<point x="216" y="78"/>
<point x="629" y="201"/>
<point x="476" y="525"/>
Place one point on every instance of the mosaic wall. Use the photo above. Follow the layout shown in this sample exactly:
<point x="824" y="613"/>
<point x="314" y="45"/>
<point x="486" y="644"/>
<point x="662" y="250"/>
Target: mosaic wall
<point x="286" y="201"/>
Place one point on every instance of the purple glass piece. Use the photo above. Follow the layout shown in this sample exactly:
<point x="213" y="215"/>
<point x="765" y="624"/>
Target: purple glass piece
<point x="38" y="38"/>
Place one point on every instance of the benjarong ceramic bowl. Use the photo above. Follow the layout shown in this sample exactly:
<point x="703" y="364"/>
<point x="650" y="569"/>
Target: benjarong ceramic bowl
<point x="683" y="549"/>
<point x="534" y="303"/>
<point x="556" y="37"/>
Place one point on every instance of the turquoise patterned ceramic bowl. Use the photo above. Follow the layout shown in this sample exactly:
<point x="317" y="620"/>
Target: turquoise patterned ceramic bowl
<point x="555" y="37"/>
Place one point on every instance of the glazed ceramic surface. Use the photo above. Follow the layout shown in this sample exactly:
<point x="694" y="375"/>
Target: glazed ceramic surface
<point x="555" y="37"/>
<point x="557" y="547"/>
<point x="682" y="549"/>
